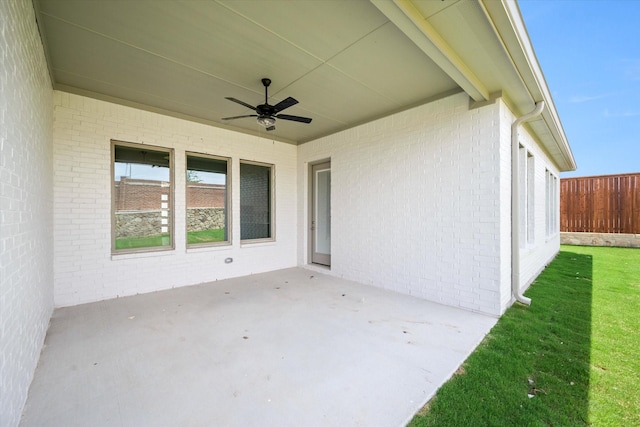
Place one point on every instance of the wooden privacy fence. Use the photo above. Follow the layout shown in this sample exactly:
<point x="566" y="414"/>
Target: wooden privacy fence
<point x="600" y="204"/>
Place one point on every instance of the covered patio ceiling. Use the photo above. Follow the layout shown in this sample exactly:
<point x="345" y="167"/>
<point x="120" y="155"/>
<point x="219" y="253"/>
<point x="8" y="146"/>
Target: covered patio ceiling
<point x="346" y="62"/>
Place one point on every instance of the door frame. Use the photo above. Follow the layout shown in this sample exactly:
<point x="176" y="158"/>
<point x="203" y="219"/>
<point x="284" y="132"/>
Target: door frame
<point x="310" y="208"/>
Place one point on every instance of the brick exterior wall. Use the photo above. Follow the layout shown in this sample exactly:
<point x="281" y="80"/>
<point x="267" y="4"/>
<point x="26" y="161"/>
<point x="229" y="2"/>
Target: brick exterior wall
<point x="440" y="239"/>
<point x="535" y="256"/>
<point x="446" y="168"/>
<point x="140" y="194"/>
<point x="205" y="195"/>
<point x="85" y="269"/>
<point x="26" y="227"/>
<point x="446" y="236"/>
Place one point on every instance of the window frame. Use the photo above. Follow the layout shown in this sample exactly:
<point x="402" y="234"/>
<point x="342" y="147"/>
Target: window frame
<point x="171" y="222"/>
<point x="526" y="183"/>
<point x="531" y="198"/>
<point x="228" y="201"/>
<point x="272" y="201"/>
<point x="552" y="208"/>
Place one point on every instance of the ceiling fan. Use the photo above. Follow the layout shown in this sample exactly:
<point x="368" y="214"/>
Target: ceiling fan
<point x="267" y="114"/>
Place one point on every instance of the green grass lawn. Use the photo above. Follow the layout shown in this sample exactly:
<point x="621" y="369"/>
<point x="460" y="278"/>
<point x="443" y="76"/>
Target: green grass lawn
<point x="193" y="237"/>
<point x="575" y="351"/>
<point x="142" y="242"/>
<point x="206" y="236"/>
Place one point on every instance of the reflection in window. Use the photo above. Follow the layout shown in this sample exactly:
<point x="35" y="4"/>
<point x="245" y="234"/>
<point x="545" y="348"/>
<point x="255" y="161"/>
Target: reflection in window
<point x="142" y="198"/>
<point x="207" y="202"/>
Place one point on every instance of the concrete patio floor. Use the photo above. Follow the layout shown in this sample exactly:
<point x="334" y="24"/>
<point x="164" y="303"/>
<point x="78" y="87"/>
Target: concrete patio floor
<point x="287" y="348"/>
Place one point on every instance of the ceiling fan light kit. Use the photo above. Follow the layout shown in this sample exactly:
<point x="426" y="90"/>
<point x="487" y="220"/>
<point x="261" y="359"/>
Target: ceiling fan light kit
<point x="266" y="121"/>
<point x="267" y="114"/>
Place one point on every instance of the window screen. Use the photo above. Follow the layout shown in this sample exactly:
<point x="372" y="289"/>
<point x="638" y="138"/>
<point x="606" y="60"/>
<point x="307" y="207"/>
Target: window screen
<point x="255" y="201"/>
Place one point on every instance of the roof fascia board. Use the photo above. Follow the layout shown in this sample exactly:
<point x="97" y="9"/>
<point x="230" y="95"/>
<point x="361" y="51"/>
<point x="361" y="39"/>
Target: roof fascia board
<point x="404" y="15"/>
<point x="509" y="26"/>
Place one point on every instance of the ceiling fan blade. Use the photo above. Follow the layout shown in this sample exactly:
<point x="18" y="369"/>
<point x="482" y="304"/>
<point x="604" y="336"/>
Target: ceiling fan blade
<point x="239" y="117"/>
<point x="294" y="118"/>
<point x="286" y="103"/>
<point x="241" y="103"/>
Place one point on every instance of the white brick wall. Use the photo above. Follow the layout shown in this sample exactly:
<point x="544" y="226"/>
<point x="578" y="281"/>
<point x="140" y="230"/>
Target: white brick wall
<point x="506" y="118"/>
<point x="421" y="203"/>
<point x="26" y="270"/>
<point x="417" y="203"/>
<point x="534" y="257"/>
<point x="84" y="268"/>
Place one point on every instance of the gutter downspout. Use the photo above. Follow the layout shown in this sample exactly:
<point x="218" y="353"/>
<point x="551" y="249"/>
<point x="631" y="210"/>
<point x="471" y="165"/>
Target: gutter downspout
<point x="515" y="204"/>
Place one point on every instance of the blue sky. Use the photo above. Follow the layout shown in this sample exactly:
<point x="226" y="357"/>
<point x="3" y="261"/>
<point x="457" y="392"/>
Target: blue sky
<point x="589" y="52"/>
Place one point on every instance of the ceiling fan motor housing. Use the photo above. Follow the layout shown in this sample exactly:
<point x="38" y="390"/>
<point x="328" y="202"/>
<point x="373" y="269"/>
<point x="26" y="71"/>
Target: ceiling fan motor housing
<point x="265" y="110"/>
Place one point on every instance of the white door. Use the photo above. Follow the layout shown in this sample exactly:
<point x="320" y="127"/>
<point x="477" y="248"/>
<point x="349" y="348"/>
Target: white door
<point x="320" y="229"/>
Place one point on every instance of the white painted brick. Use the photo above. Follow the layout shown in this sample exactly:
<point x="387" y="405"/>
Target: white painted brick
<point x="421" y="203"/>
<point x="416" y="193"/>
<point x="535" y="257"/>
<point x="26" y="228"/>
<point x="82" y="198"/>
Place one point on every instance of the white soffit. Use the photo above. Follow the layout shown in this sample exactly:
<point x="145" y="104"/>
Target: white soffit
<point x="484" y="46"/>
<point x="512" y="33"/>
<point x="347" y="62"/>
<point x="343" y="60"/>
<point x="412" y="21"/>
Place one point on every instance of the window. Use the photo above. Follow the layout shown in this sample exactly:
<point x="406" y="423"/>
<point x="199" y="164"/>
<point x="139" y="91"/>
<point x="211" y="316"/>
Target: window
<point x="531" y="175"/>
<point x="207" y="200"/>
<point x="256" y="201"/>
<point x="547" y="199"/>
<point x="527" y="200"/>
<point x="555" y="218"/>
<point x="142" y="198"/>
<point x="551" y="196"/>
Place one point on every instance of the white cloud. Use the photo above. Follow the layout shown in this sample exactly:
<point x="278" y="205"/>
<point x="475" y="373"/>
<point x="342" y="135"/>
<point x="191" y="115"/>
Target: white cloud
<point x="629" y="113"/>
<point x="580" y="99"/>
